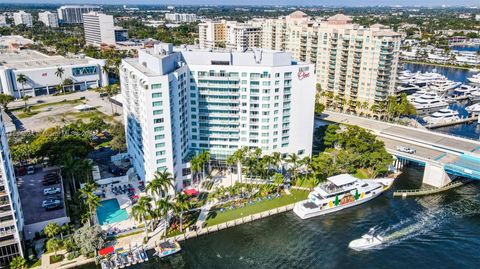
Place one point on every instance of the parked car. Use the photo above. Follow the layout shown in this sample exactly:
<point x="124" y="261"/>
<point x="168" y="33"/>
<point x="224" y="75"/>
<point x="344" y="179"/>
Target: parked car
<point x="53" y="206"/>
<point x="406" y="149"/>
<point x="49" y="191"/>
<point x="50" y="202"/>
<point x="51" y="175"/>
<point x="30" y="170"/>
<point x="47" y="182"/>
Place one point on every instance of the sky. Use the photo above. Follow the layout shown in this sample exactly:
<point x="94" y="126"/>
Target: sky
<point x="268" y="2"/>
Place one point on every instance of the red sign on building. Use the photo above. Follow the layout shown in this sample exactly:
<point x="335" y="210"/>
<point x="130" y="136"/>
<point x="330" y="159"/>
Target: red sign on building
<point x="302" y="74"/>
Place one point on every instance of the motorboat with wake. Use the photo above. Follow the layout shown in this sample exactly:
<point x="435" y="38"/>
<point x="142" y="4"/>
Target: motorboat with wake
<point x="367" y="241"/>
<point x="339" y="192"/>
<point x="167" y="248"/>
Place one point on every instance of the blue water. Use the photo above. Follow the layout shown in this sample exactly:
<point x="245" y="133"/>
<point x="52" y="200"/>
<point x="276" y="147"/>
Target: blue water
<point x="109" y="212"/>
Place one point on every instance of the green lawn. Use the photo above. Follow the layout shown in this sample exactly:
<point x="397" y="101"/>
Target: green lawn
<point x="265" y="205"/>
<point x="24" y="115"/>
<point x="361" y="174"/>
<point x="64" y="102"/>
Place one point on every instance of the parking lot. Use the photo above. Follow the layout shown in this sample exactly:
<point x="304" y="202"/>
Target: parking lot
<point x="31" y="196"/>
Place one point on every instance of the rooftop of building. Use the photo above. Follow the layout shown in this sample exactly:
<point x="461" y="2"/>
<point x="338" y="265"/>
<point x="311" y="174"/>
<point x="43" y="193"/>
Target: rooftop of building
<point x="30" y="59"/>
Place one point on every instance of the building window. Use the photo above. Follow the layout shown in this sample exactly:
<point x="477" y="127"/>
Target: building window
<point x="156" y="86"/>
<point x="158" y="112"/>
<point x="160" y="145"/>
<point x="157" y="95"/>
<point x="160" y="120"/>
<point x="158" y="137"/>
<point x="158" y="103"/>
<point x="158" y="129"/>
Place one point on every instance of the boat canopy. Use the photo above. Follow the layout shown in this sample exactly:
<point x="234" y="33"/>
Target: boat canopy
<point x="342" y="179"/>
<point x="107" y="250"/>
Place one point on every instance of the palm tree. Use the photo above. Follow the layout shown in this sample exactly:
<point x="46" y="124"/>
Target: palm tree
<point x="111" y="90"/>
<point x="230" y="162"/>
<point x="70" y="166"/>
<point x="240" y="157"/>
<point x="293" y="161"/>
<point x="277" y="159"/>
<point x="155" y="188"/>
<point x="205" y="160"/>
<point x="196" y="166"/>
<point x="163" y="206"/>
<point x="278" y="179"/>
<point x="182" y="204"/>
<point x="142" y="210"/>
<point x="51" y="230"/>
<point x="164" y="182"/>
<point x="59" y="73"/>
<point x="22" y="79"/>
<point x="91" y="200"/>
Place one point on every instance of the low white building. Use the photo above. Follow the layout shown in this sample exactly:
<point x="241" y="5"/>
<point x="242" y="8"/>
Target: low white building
<point x="41" y="73"/>
<point x="48" y="18"/>
<point x="180" y="17"/>
<point x="3" y="20"/>
<point x="23" y="17"/>
<point x="182" y="101"/>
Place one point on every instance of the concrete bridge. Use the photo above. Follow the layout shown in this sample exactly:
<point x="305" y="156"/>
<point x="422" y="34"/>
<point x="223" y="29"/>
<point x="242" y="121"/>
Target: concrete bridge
<point x="443" y="155"/>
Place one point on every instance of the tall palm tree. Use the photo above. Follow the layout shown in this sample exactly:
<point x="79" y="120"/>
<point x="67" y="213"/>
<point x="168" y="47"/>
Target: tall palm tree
<point x="164" y="181"/>
<point x="163" y="206"/>
<point x="293" y="160"/>
<point x="59" y="73"/>
<point x="70" y="167"/>
<point x="278" y="179"/>
<point x="240" y="157"/>
<point x="22" y="79"/>
<point x="51" y="230"/>
<point x="91" y="200"/>
<point x="155" y="188"/>
<point x="111" y="90"/>
<point x="205" y="161"/>
<point x="182" y="204"/>
<point x="142" y="210"/>
<point x="230" y="162"/>
<point x="277" y="159"/>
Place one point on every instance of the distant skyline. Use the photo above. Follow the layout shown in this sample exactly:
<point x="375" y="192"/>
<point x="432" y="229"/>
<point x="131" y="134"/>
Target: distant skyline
<point x="256" y="2"/>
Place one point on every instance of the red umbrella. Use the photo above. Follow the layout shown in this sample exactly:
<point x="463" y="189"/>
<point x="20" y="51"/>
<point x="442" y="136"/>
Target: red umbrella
<point x="105" y="251"/>
<point x="191" y="192"/>
<point x="135" y="197"/>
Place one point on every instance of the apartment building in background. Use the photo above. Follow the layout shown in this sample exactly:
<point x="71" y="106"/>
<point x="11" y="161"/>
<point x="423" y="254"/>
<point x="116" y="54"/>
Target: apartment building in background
<point x="11" y="215"/>
<point x="181" y="17"/>
<point x="182" y="101"/>
<point x="74" y="13"/>
<point x="229" y="34"/>
<point x="98" y="28"/>
<point x="3" y="20"/>
<point x="355" y="63"/>
<point x="48" y="18"/>
<point x="22" y="17"/>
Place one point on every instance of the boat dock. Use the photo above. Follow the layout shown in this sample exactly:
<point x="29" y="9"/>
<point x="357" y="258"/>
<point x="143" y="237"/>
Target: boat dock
<point x="429" y="191"/>
<point x="450" y="123"/>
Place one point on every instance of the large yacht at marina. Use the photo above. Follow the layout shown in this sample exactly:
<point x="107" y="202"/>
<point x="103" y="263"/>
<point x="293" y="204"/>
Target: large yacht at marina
<point x="426" y="102"/>
<point x="475" y="96"/>
<point x="444" y="115"/>
<point x="473" y="110"/>
<point x="464" y="90"/>
<point x="337" y="193"/>
<point x="475" y="79"/>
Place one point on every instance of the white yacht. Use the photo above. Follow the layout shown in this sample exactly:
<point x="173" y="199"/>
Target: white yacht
<point x="473" y="110"/>
<point x="475" y="79"/>
<point x="427" y="103"/>
<point x="339" y="192"/>
<point x="443" y="86"/>
<point x="475" y="95"/>
<point x="464" y="90"/>
<point x="443" y="116"/>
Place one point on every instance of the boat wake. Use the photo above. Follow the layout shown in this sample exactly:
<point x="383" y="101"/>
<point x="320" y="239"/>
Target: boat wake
<point x="427" y="221"/>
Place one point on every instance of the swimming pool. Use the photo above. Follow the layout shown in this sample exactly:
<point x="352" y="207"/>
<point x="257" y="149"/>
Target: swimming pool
<point x="109" y="212"/>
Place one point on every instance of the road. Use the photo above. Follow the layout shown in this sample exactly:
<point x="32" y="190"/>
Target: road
<point x="436" y="141"/>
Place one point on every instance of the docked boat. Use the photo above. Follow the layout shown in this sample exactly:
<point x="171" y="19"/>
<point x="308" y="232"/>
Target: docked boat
<point x="443" y="86"/>
<point x="474" y="79"/>
<point x="167" y="248"/>
<point x="337" y="193"/>
<point x="367" y="241"/>
<point x="444" y="115"/>
<point x="473" y="110"/>
<point x="427" y="103"/>
<point x="464" y="90"/>
<point x="475" y="96"/>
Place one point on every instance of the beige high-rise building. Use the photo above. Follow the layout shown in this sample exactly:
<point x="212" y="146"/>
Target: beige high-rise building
<point x="229" y="34"/>
<point x="354" y="63"/>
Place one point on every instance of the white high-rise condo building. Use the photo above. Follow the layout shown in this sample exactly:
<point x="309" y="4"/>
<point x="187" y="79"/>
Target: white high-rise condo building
<point x="356" y="64"/>
<point x="181" y="17"/>
<point x="229" y="34"/>
<point x="74" y="13"/>
<point x="11" y="220"/>
<point x="48" y="18"/>
<point x="178" y="102"/>
<point x="23" y="17"/>
<point x="98" y="28"/>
